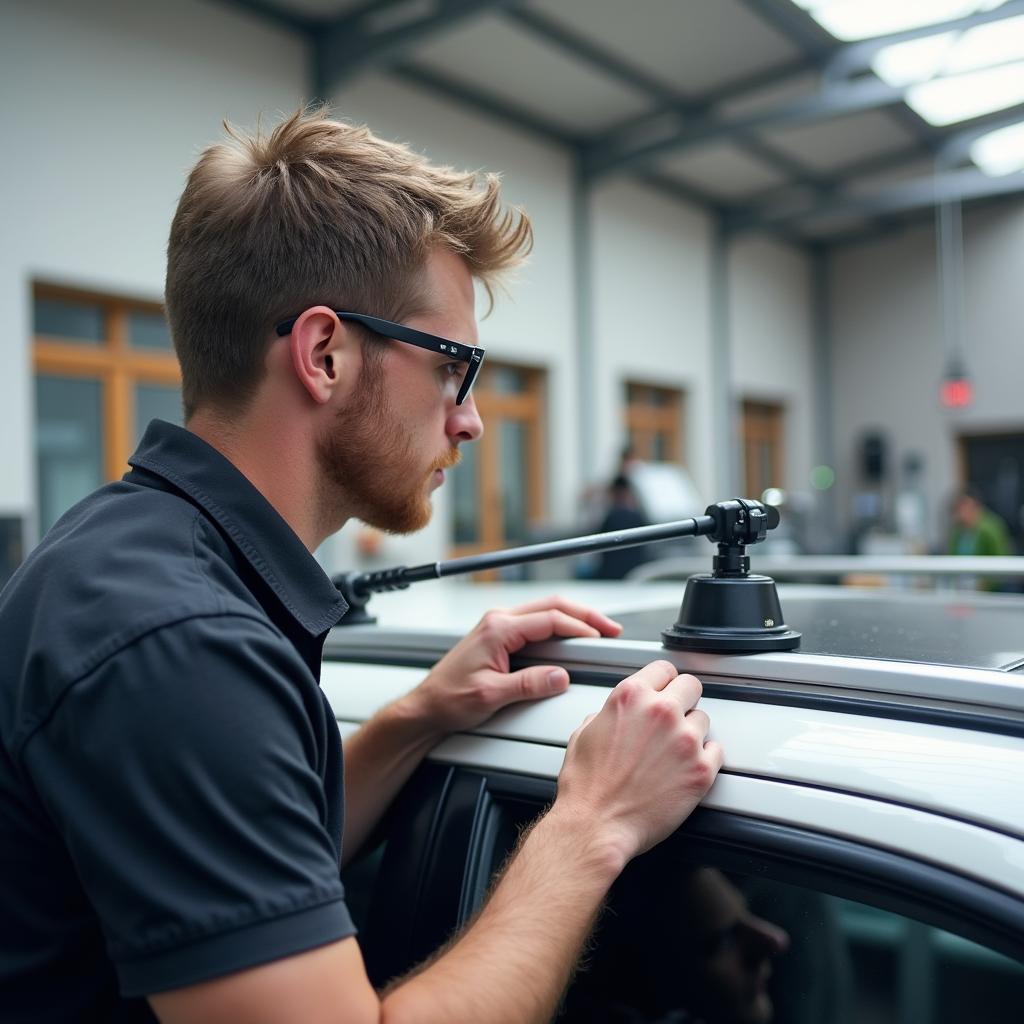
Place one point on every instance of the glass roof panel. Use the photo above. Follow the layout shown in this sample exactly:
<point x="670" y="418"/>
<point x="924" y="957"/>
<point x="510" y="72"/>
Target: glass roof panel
<point x="969" y="630"/>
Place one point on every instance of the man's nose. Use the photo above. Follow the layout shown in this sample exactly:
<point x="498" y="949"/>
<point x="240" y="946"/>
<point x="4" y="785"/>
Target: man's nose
<point x="464" y="423"/>
<point x="767" y="939"/>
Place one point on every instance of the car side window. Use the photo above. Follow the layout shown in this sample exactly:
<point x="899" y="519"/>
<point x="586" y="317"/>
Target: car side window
<point x="693" y="942"/>
<point x="686" y="939"/>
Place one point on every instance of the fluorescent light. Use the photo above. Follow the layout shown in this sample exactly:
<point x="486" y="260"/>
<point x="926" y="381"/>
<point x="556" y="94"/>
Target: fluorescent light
<point x="1001" y="151"/>
<point x="916" y="61"/>
<point x="950" y="53"/>
<point x="960" y="97"/>
<point x="851" y="20"/>
<point x="996" y="43"/>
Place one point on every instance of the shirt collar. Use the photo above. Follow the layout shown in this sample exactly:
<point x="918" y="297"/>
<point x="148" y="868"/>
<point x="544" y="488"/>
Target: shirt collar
<point x="259" y="532"/>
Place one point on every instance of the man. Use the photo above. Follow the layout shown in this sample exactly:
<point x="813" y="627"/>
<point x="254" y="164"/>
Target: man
<point x="977" y="530"/>
<point x="172" y="789"/>
<point x="623" y="513"/>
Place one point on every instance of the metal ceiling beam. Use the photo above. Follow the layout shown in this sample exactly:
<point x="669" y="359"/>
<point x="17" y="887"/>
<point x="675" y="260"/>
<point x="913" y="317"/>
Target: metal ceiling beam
<point x="795" y="25"/>
<point x="552" y="31"/>
<point x="841" y="176"/>
<point x="966" y="183"/>
<point x="485" y="103"/>
<point x="626" y="152"/>
<point x="820" y="46"/>
<point x="381" y="32"/>
<point x="955" y="150"/>
<point x="665" y="98"/>
<point x="857" y="56"/>
<point x="920" y="217"/>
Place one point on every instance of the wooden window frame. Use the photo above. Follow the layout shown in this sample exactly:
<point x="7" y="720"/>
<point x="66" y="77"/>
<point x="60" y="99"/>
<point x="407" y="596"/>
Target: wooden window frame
<point x="763" y="420"/>
<point x="527" y="407"/>
<point x="111" y="361"/>
<point x="644" y="420"/>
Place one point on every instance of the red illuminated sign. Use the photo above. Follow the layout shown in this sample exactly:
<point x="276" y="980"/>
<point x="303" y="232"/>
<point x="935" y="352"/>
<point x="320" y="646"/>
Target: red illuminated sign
<point x="957" y="393"/>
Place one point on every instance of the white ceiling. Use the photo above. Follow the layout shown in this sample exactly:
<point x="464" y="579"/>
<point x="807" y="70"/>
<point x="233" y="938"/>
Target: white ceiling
<point x="497" y="57"/>
<point x="692" y="46"/>
<point x="585" y="71"/>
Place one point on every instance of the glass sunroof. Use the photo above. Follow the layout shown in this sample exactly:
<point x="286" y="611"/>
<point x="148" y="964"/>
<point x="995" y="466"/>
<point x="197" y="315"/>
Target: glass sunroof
<point x="974" y="631"/>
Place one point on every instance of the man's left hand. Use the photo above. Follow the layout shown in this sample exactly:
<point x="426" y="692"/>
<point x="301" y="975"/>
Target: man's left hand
<point x="472" y="681"/>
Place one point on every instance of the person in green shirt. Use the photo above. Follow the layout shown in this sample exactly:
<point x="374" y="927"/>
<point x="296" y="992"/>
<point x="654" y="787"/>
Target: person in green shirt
<point x="977" y="530"/>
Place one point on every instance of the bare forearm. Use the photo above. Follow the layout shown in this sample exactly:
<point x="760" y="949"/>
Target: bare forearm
<point x="379" y="758"/>
<point x="512" y="965"/>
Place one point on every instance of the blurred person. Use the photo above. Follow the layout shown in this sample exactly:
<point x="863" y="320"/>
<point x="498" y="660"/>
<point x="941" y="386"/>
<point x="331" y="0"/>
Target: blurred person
<point x="680" y="946"/>
<point x="735" y="950"/>
<point x="173" y="791"/>
<point x="594" y="499"/>
<point x="977" y="530"/>
<point x="623" y="514"/>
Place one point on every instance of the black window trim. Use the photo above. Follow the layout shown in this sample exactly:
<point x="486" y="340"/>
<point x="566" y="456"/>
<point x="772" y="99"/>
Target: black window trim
<point x="842" y="867"/>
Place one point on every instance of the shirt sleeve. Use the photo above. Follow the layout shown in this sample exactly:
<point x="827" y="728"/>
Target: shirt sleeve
<point x="185" y="775"/>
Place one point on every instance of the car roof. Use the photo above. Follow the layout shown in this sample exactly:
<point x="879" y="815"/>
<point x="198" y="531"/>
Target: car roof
<point x="954" y="628"/>
<point x="960" y="629"/>
<point x="916" y="756"/>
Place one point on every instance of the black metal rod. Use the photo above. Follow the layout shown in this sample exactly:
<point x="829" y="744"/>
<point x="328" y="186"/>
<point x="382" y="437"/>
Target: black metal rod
<point x="398" y="578"/>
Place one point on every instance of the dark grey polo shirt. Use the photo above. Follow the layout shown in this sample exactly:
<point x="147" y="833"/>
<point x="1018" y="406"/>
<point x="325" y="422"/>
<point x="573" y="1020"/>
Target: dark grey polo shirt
<point x="170" y="771"/>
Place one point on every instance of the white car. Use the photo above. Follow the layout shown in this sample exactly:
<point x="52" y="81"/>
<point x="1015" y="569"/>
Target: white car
<point x="859" y="859"/>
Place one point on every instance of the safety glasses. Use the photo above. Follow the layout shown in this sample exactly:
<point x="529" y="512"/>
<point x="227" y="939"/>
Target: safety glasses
<point x="471" y="355"/>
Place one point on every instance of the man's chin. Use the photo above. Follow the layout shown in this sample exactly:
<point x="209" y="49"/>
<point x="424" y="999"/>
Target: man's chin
<point x="400" y="522"/>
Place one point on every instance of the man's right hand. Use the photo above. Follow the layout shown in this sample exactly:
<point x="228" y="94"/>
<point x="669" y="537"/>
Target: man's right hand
<point x="634" y="771"/>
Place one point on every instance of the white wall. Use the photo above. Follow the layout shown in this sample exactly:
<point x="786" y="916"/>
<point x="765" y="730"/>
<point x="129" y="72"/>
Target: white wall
<point x="534" y="323"/>
<point x="772" y="343"/>
<point x="106" y="105"/>
<point x="888" y="355"/>
<point x="652" y="315"/>
<point x="104" y="108"/>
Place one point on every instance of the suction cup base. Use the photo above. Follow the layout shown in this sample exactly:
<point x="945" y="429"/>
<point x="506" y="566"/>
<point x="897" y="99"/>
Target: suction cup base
<point x="729" y="641"/>
<point x="730" y="615"/>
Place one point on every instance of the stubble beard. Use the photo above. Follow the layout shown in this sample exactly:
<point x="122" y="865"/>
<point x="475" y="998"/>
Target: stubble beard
<point x="369" y="466"/>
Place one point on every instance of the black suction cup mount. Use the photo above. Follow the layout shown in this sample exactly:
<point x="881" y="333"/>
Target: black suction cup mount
<point x="729" y="611"/>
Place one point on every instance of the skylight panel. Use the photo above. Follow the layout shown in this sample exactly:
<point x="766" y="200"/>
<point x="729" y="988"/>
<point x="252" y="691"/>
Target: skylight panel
<point x="985" y="45"/>
<point x="959" y="97"/>
<point x="951" y="52"/>
<point x="851" y="20"/>
<point x="916" y="61"/>
<point x="1000" y="152"/>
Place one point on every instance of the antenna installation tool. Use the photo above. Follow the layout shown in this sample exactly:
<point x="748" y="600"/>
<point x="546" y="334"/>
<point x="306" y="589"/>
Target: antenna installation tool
<point x="726" y="611"/>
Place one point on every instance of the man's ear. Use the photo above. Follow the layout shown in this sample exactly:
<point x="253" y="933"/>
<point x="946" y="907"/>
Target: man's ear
<point x="321" y="351"/>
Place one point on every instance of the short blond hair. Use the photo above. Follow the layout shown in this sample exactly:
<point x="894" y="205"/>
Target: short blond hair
<point x="318" y="211"/>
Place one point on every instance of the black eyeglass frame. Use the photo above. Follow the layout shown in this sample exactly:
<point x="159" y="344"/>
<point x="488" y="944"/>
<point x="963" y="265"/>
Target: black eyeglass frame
<point x="471" y="354"/>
